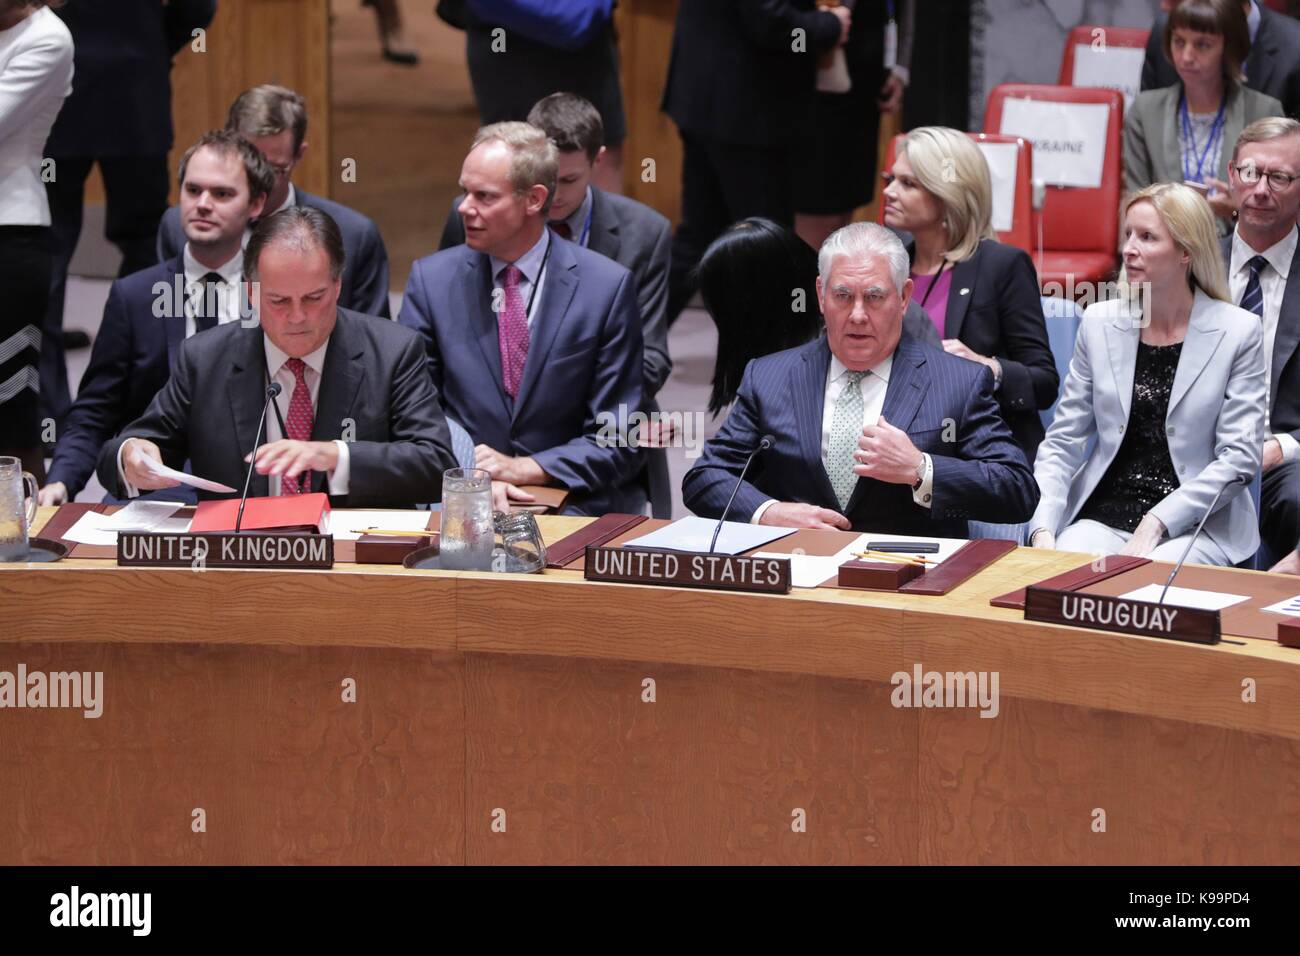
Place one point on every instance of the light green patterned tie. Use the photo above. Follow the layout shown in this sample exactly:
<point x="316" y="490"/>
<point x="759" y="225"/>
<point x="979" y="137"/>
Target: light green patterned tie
<point x="846" y="429"/>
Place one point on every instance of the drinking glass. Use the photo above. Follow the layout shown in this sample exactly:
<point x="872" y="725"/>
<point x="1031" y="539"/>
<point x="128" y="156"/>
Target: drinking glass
<point x="16" y="516"/>
<point x="467" y="534"/>
<point x="522" y="546"/>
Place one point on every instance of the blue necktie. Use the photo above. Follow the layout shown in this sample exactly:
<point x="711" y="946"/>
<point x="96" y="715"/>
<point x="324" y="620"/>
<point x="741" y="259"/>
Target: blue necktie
<point x="1252" y="300"/>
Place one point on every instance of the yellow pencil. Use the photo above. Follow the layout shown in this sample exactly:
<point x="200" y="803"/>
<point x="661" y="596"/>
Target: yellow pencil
<point x="894" y="556"/>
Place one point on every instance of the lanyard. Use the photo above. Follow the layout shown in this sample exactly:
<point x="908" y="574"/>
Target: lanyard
<point x="532" y="293"/>
<point x="1215" y="130"/>
<point x="933" y="282"/>
<point x="586" y="227"/>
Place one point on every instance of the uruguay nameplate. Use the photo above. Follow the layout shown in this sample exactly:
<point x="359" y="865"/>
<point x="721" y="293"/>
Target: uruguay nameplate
<point x="685" y="569"/>
<point x="1122" y="615"/>
<point x="140" y="549"/>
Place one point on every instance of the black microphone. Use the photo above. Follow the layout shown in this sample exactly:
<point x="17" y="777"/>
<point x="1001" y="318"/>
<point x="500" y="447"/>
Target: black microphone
<point x="272" y="391"/>
<point x="1236" y="480"/>
<point x="764" y="443"/>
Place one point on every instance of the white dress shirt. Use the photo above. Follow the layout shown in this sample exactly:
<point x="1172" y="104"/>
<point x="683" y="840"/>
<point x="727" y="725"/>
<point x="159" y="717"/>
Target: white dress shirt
<point x="531" y="270"/>
<point x="579" y="222"/>
<point x="1272" y="282"/>
<point x="276" y="359"/>
<point x="35" y="77"/>
<point x="873" y="386"/>
<point x="227" y="293"/>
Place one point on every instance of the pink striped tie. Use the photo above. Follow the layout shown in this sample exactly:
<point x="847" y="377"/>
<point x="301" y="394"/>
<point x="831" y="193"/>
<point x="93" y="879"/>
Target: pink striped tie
<point x="512" y="334"/>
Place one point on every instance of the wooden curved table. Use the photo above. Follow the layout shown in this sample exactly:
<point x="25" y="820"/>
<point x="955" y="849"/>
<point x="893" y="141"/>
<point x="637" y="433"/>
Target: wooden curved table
<point x="508" y="719"/>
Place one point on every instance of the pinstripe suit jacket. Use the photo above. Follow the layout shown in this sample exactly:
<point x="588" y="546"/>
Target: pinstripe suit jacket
<point x="944" y="403"/>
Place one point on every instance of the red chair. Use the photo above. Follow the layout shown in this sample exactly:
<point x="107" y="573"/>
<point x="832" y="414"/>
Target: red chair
<point x="1091" y="36"/>
<point x="1024" y="223"/>
<point x="1080" y="226"/>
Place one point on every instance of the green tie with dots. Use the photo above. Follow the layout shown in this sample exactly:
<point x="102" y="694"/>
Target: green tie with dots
<point x="846" y="429"/>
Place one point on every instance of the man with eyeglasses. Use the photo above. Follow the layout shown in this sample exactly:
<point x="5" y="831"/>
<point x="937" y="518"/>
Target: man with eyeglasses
<point x="1264" y="278"/>
<point x="274" y="119"/>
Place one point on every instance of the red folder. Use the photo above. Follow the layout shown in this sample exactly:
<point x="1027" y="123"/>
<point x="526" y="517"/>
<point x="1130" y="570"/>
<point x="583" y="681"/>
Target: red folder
<point x="285" y="511"/>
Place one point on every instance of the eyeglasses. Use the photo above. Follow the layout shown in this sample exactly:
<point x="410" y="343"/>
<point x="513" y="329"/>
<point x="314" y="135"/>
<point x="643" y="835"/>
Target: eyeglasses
<point x="1250" y="174"/>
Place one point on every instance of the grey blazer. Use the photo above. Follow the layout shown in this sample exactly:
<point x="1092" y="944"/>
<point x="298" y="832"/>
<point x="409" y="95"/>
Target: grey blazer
<point x="1215" y="422"/>
<point x="1151" y="135"/>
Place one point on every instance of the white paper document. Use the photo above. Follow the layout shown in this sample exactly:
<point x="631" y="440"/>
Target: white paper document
<point x="1290" y="607"/>
<point x="810" y="570"/>
<point x="348" y="524"/>
<point x="947" y="546"/>
<point x="162" y="471"/>
<point x="1001" y="158"/>
<point x="101" y="529"/>
<point x="1187" y="597"/>
<point x="694" y="534"/>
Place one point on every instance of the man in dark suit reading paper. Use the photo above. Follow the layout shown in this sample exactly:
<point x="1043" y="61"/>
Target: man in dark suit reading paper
<point x="873" y="431"/>
<point x="357" y="416"/>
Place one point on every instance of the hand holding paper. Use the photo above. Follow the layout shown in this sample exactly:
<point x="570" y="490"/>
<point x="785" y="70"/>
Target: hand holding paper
<point x="158" y="475"/>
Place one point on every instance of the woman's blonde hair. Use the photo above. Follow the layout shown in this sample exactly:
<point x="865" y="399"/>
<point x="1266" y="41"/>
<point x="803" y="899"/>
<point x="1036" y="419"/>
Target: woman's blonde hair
<point x="951" y="167"/>
<point x="1190" y="222"/>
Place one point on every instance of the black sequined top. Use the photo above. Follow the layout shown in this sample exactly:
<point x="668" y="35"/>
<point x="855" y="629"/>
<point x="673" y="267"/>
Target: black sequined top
<point x="1142" y="473"/>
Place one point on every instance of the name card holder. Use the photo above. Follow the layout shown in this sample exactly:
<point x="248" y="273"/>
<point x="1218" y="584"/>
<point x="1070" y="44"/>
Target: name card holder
<point x="1288" y="632"/>
<point x="877" y="575"/>
<point x="285" y="551"/>
<point x="1122" y="615"/>
<point x="687" y="569"/>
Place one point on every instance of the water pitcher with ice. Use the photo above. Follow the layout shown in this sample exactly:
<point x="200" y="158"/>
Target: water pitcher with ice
<point x="17" y="514"/>
<point x="467" y="533"/>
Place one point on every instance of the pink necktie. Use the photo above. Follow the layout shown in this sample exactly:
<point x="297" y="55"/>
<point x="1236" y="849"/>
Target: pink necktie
<point x="512" y="334"/>
<point x="298" y="422"/>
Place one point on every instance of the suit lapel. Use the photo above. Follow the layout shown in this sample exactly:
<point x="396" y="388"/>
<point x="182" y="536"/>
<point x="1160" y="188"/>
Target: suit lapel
<point x="1122" y="333"/>
<point x="808" y="386"/>
<point x="174" y="324"/>
<point x="559" y="283"/>
<point x="903" y="396"/>
<point x="962" y="290"/>
<point x="604" y="236"/>
<point x="1287" y="336"/>
<point x="1260" y="60"/>
<point x="1168" y="165"/>
<point x="1203" y="337"/>
<point x="341" y="376"/>
<point x="475" y="303"/>
<point x="1234" y="121"/>
<point x="246" y="389"/>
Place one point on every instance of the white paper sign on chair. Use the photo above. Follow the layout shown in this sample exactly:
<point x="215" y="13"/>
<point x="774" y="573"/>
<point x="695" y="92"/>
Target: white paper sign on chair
<point x="1110" y="68"/>
<point x="1069" y="138"/>
<point x="1001" y="158"/>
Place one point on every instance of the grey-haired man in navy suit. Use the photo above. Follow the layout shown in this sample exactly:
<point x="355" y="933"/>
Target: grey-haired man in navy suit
<point x="872" y="430"/>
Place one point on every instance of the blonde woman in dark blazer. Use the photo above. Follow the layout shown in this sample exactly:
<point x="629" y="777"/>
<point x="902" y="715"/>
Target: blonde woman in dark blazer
<point x="1171" y="388"/>
<point x="1184" y="133"/>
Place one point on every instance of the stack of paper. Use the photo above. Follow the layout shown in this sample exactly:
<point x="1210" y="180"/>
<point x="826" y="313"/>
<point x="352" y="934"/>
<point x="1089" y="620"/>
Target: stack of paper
<point x="102" y="529"/>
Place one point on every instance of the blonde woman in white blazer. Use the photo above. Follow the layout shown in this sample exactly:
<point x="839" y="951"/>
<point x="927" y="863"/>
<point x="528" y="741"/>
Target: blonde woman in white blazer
<point x="1172" y="388"/>
<point x="35" y="77"/>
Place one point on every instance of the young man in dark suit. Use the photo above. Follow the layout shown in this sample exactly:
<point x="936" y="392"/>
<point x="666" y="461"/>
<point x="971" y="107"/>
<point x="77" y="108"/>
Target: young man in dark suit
<point x="274" y="119"/>
<point x="533" y="342"/>
<point x="622" y="229"/>
<point x="871" y="430"/>
<point x="356" y="418"/>
<point x="224" y="182"/>
<point x="119" y="116"/>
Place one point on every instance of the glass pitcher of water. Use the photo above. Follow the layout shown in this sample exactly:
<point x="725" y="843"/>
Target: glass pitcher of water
<point x="467" y="534"/>
<point x="17" y="508"/>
